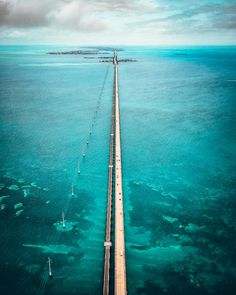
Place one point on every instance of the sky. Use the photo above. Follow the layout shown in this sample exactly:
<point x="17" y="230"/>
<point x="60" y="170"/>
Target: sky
<point x="113" y="22"/>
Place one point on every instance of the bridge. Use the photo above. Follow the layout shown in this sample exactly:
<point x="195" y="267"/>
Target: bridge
<point x="115" y="190"/>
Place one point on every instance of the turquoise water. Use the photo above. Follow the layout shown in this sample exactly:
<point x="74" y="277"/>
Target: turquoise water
<point x="178" y="144"/>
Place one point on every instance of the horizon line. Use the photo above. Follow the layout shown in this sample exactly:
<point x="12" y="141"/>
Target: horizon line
<point x="118" y="45"/>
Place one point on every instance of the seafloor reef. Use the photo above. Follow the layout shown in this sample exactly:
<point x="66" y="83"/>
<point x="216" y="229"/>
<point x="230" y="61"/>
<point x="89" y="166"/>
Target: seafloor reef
<point x="185" y="236"/>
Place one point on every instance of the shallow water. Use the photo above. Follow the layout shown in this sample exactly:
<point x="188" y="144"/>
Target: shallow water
<point x="178" y="143"/>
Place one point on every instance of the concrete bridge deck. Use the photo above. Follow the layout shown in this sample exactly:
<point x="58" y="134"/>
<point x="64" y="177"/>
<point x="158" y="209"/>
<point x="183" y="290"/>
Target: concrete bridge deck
<point x="120" y="287"/>
<point x="120" y="263"/>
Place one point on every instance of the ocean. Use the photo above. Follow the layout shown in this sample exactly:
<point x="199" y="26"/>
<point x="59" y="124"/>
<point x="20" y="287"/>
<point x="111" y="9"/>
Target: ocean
<point x="178" y="133"/>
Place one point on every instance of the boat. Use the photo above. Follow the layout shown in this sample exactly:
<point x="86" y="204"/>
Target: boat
<point x="49" y="268"/>
<point x="72" y="191"/>
<point x="63" y="220"/>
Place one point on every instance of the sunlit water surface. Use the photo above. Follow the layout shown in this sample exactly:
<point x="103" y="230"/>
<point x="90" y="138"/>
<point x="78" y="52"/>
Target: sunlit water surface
<point x="178" y="143"/>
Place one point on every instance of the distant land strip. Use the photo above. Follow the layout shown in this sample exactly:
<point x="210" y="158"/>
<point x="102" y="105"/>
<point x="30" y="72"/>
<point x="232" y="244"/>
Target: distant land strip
<point x="120" y="60"/>
<point x="104" y="59"/>
<point x="76" y="52"/>
<point x="86" y="52"/>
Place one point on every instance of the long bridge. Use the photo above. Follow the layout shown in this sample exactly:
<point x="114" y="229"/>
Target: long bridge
<point x="115" y="190"/>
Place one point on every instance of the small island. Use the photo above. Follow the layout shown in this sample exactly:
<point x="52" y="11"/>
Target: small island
<point x="75" y="52"/>
<point x="119" y="61"/>
<point x="103" y="59"/>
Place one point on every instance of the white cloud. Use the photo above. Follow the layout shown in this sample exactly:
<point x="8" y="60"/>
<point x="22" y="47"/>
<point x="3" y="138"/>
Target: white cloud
<point x="117" y="21"/>
<point x="78" y="15"/>
<point x="13" y="34"/>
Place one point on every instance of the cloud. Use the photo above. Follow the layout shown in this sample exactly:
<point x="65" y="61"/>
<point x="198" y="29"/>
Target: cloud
<point x="4" y="11"/>
<point x="113" y="19"/>
<point x="79" y="16"/>
<point x="13" y="34"/>
<point x="24" y="14"/>
<point x="225" y="19"/>
<point x="198" y="17"/>
<point x="66" y="15"/>
<point x="69" y="13"/>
